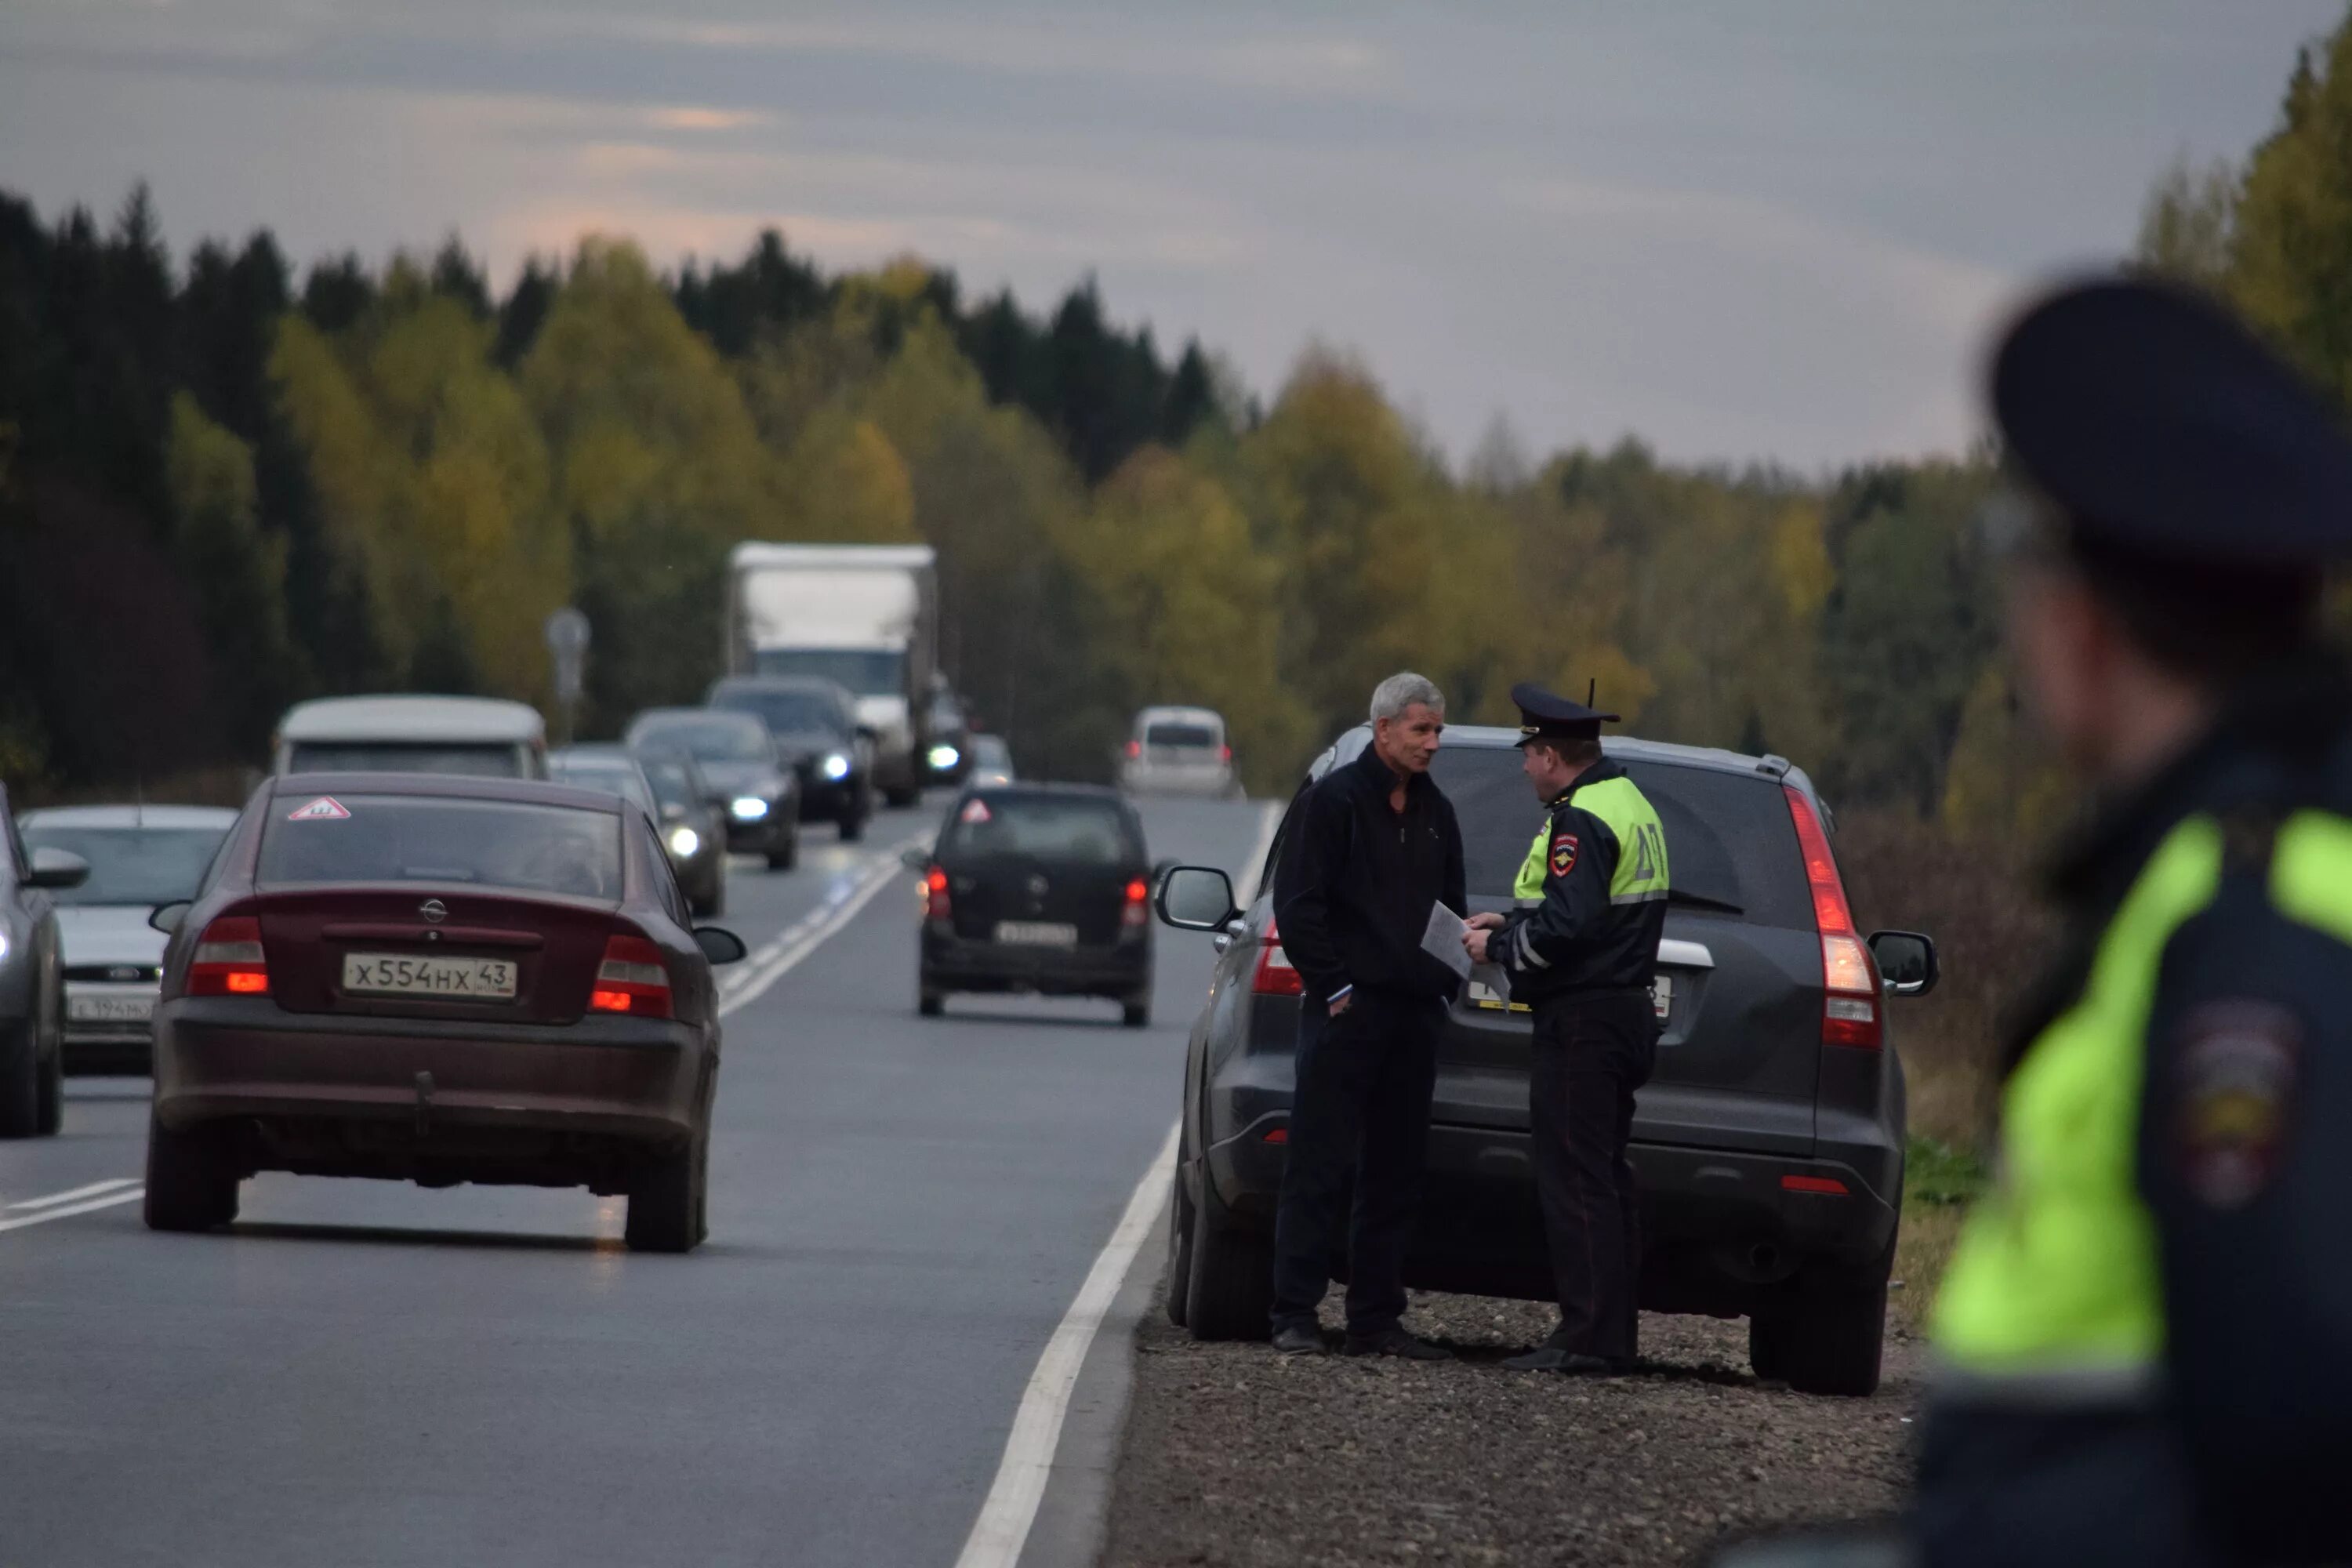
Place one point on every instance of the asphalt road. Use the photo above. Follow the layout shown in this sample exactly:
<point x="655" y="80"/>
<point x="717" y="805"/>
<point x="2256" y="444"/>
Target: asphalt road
<point x="368" y="1372"/>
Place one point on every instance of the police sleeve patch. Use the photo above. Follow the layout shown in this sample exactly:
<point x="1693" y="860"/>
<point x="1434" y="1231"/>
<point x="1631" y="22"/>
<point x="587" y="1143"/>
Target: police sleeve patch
<point x="2236" y="1064"/>
<point x="1563" y="854"/>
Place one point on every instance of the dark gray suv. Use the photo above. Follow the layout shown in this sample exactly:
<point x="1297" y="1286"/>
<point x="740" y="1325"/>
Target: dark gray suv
<point x="1768" y="1142"/>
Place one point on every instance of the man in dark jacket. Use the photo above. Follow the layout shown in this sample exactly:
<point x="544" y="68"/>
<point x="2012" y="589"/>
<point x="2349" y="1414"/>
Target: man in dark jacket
<point x="1374" y="847"/>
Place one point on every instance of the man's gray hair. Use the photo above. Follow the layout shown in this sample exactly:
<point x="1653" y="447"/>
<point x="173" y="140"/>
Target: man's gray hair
<point x="1399" y="691"/>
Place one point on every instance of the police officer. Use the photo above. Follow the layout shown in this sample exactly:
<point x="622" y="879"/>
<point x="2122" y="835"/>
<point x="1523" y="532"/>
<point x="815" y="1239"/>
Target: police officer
<point x="1582" y="950"/>
<point x="2146" y="1330"/>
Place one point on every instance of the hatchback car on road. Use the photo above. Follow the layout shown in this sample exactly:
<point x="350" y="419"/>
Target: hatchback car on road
<point x="1768" y="1142"/>
<point x="1177" y="751"/>
<point x="139" y="856"/>
<point x="748" y="776"/>
<point x="1037" y="887"/>
<point x="694" y="827"/>
<point x="815" y="722"/>
<point x="439" y="980"/>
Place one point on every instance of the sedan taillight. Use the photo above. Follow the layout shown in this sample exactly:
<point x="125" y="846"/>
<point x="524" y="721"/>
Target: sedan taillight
<point x="633" y="979"/>
<point x="1274" y="975"/>
<point x="229" y="960"/>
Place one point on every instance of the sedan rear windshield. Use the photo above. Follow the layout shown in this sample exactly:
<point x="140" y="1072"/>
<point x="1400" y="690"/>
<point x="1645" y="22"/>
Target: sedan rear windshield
<point x="1085" y="832"/>
<point x="474" y="761"/>
<point x="611" y="778"/>
<point x="1729" y="842"/>
<point x="785" y="712"/>
<point x="133" y="865"/>
<point x="1194" y="735"/>
<point x="717" y="738"/>
<point x="412" y="838"/>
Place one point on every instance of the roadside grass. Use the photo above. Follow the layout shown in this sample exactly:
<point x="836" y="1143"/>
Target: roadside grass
<point x="1939" y="1182"/>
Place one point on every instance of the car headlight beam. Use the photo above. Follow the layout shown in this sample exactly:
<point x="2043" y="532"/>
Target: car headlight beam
<point x="944" y="757"/>
<point x="684" y="842"/>
<point x="747" y="808"/>
<point x="835" y="766"/>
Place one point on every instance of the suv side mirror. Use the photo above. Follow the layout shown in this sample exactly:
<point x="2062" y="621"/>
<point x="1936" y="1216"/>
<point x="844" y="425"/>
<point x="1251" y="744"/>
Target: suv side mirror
<point x="54" y="868"/>
<point x="720" y="945"/>
<point x="1196" y="898"/>
<point x="166" y="918"/>
<point x="1906" y="962"/>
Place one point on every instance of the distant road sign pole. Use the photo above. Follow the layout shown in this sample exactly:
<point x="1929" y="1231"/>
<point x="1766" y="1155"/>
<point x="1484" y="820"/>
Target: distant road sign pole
<point x="567" y="641"/>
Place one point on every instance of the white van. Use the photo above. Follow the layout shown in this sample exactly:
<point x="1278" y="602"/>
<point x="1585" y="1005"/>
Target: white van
<point x="486" y="737"/>
<point x="1179" y="751"/>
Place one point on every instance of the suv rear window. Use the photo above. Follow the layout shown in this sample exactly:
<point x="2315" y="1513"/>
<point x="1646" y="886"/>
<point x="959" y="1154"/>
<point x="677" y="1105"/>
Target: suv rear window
<point x="412" y="838"/>
<point x="716" y="736"/>
<point x="1087" y="832"/>
<point x="1199" y="735"/>
<point x="1729" y="838"/>
<point x="485" y="762"/>
<point x="787" y="713"/>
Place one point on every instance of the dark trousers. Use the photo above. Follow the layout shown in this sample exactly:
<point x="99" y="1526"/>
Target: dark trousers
<point x="1590" y="1054"/>
<point x="1361" y="1110"/>
<point x="2022" y="1487"/>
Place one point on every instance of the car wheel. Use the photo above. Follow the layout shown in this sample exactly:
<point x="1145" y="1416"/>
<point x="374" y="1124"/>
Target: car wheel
<point x="20" y="1081"/>
<point x="665" y="1200"/>
<point x="190" y="1185"/>
<point x="853" y="826"/>
<point x="1135" y="1011"/>
<point x="53" y="1093"/>
<point x="1231" y="1291"/>
<point x="899" y="799"/>
<point x="1180" y="1247"/>
<point x="784" y="859"/>
<point x="1827" y="1338"/>
<point x="931" y="1003"/>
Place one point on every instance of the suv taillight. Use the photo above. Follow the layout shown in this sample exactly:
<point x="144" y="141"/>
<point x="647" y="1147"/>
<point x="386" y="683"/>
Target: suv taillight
<point x="1274" y="975"/>
<point x="1849" y="978"/>
<point x="633" y="979"/>
<point x="1137" y="914"/>
<point x="229" y="960"/>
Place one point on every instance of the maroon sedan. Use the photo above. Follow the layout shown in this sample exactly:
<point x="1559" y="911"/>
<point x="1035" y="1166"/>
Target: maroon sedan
<point x="437" y="980"/>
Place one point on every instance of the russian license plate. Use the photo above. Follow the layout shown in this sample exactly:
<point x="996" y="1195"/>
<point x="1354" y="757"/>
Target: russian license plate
<point x="1662" y="995"/>
<point x="398" y="974"/>
<point x="1036" y="933"/>
<point x="111" y="1009"/>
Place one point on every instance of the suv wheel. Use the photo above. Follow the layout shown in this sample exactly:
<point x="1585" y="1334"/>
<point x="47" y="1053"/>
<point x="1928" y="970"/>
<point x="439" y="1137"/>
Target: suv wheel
<point x="20" y="1081"/>
<point x="1231" y="1292"/>
<point x="1180" y="1247"/>
<point x="1827" y="1338"/>
<point x="190" y="1185"/>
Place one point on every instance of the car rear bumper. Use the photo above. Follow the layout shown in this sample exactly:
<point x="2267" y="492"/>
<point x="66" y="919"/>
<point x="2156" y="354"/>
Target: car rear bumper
<point x="1147" y="778"/>
<point x="1721" y="1228"/>
<point x="953" y="964"/>
<point x="627" y="1080"/>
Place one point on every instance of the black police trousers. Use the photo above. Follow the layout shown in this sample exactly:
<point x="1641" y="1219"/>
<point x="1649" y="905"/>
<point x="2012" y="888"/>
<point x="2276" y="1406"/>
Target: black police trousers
<point x="1359" y="1116"/>
<point x="1591" y="1052"/>
<point x="2024" y="1487"/>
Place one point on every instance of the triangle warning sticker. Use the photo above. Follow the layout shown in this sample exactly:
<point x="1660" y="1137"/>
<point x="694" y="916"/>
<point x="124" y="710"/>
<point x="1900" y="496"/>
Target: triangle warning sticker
<point x="325" y="808"/>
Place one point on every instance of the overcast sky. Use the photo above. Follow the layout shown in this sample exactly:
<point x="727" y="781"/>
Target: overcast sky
<point x="1740" y="229"/>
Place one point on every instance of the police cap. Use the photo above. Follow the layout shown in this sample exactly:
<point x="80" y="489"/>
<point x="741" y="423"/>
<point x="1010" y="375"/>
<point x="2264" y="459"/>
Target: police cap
<point x="2157" y="424"/>
<point x="1543" y="716"/>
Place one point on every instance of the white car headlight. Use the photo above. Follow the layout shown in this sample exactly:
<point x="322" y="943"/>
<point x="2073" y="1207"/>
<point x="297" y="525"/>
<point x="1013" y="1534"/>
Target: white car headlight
<point x="684" y="842"/>
<point x="836" y="766"/>
<point x="4" y="944"/>
<point x="748" y="808"/>
<point x="945" y="757"/>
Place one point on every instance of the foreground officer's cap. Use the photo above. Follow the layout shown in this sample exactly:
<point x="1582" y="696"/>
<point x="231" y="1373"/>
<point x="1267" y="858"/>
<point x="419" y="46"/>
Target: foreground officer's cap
<point x="2156" y="422"/>
<point x="1543" y="716"/>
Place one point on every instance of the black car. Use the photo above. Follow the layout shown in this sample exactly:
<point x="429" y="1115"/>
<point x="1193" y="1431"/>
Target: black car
<point x="949" y="759"/>
<point x="32" y="982"/>
<point x="747" y="776"/>
<point x="815" y="725"/>
<point x="1037" y="887"/>
<point x="1768" y="1142"/>
<point x="694" y="826"/>
<point x="616" y="770"/>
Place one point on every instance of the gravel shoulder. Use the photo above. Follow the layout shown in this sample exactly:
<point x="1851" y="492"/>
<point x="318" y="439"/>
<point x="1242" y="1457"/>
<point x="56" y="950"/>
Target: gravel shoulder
<point x="1235" y="1455"/>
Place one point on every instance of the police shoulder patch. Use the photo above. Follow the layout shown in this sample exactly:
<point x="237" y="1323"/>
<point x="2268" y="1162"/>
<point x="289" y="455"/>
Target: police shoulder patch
<point x="2235" y="1064"/>
<point x="1563" y="854"/>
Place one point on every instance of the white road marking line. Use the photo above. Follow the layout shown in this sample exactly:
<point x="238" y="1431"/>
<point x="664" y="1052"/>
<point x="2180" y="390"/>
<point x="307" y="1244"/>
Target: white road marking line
<point x="53" y="1199"/>
<point x="1010" y="1508"/>
<point x="1003" y="1527"/>
<point x="790" y="948"/>
<point x="69" y="1210"/>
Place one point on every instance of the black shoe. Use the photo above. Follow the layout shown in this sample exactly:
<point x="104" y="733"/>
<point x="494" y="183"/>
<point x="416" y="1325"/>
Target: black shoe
<point x="1296" y="1340"/>
<point x="1398" y="1343"/>
<point x="1574" y="1363"/>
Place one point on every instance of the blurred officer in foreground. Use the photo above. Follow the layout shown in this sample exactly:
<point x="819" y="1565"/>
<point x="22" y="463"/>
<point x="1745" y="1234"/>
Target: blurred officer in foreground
<point x="1375" y="845"/>
<point x="1582" y="949"/>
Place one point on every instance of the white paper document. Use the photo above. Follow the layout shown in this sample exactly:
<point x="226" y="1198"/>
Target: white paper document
<point x="1443" y="940"/>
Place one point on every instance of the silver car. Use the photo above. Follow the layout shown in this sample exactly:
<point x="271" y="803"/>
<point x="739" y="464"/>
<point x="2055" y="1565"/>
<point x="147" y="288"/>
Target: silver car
<point x="139" y="856"/>
<point x="31" y="976"/>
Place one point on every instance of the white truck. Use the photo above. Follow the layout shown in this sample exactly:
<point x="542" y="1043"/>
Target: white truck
<point x="863" y="614"/>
